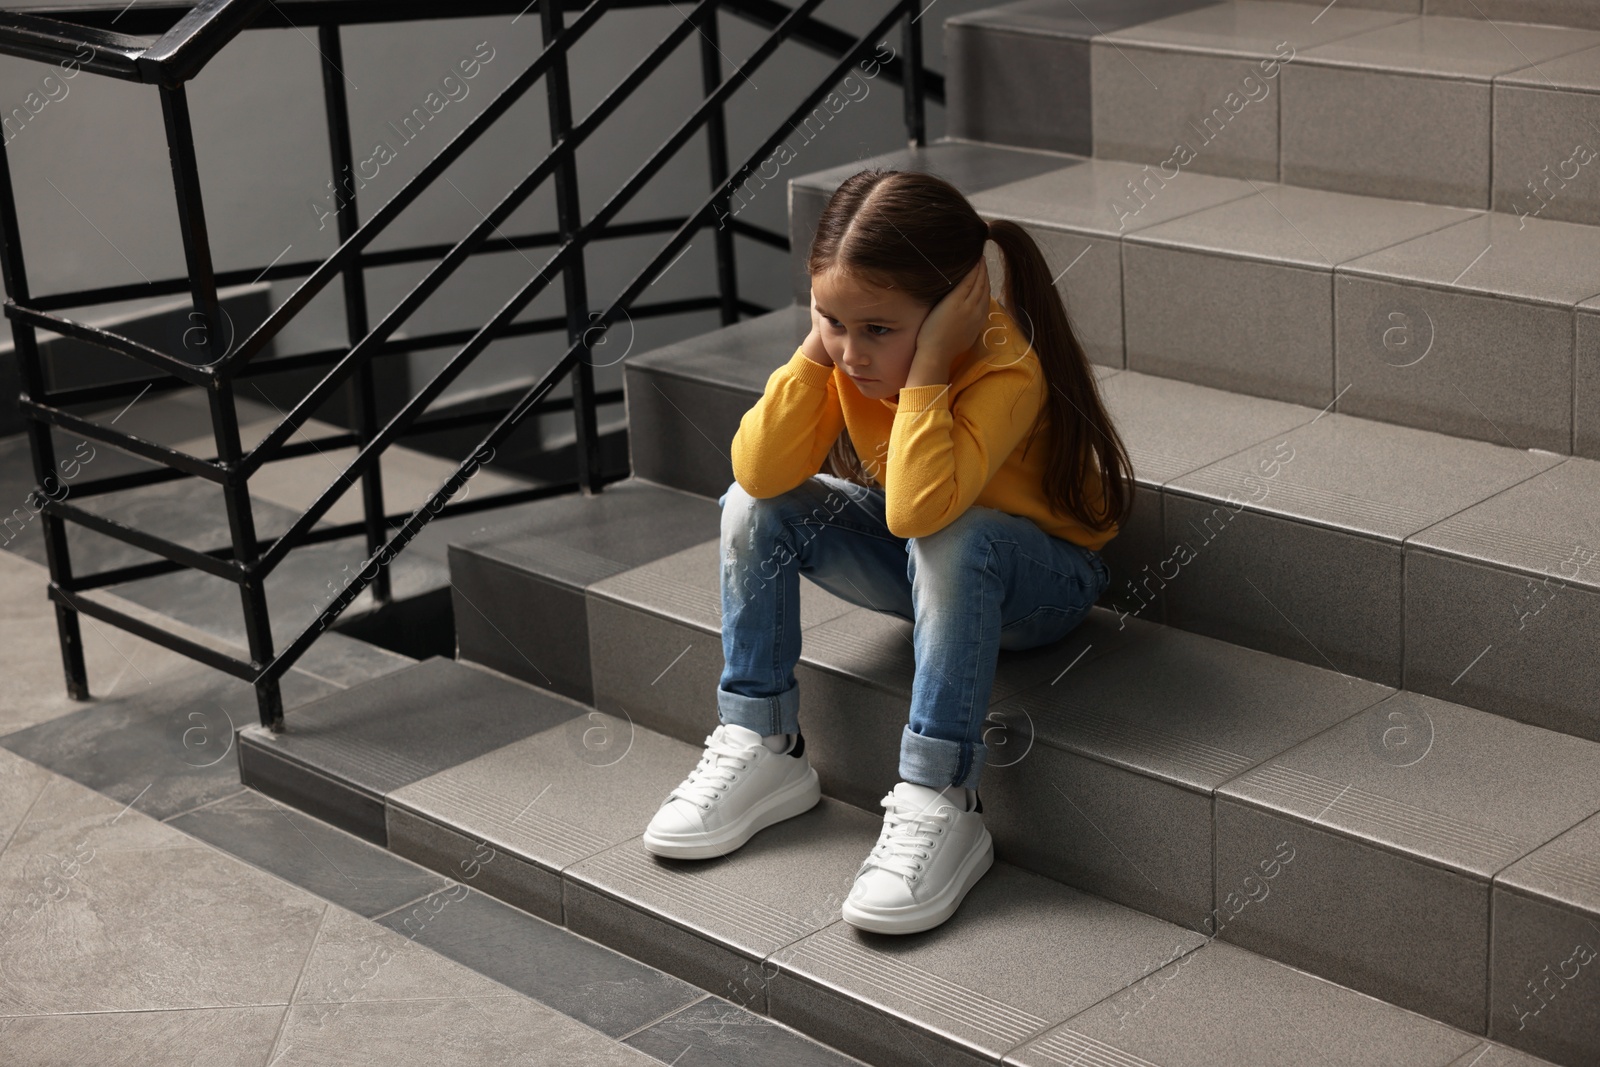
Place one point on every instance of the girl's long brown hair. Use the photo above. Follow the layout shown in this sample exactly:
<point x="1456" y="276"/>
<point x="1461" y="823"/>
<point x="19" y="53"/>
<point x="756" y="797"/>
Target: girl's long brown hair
<point x="915" y="232"/>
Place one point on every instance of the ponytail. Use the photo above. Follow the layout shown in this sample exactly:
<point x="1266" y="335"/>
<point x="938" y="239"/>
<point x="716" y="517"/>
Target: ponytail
<point x="1084" y="444"/>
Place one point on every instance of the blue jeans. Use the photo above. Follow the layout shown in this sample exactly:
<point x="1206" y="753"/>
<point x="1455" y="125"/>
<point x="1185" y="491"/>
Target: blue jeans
<point x="987" y="581"/>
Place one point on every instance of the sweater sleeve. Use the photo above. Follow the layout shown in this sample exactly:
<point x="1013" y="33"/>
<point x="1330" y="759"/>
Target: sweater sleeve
<point x="942" y="453"/>
<point x="783" y="439"/>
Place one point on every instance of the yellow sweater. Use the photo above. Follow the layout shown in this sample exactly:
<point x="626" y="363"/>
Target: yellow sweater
<point x="935" y="449"/>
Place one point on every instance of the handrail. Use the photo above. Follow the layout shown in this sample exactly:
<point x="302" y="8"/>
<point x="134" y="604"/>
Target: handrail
<point x="180" y="53"/>
<point x="48" y="40"/>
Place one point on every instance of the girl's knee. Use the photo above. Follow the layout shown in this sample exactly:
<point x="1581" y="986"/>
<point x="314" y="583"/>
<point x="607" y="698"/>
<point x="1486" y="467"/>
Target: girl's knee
<point x="749" y="521"/>
<point x="965" y="540"/>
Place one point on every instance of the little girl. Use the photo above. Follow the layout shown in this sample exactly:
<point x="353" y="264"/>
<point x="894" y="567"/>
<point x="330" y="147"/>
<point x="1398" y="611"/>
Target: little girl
<point x="995" y="478"/>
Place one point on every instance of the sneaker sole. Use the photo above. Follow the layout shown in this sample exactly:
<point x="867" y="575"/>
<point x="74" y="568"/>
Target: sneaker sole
<point x="794" y="799"/>
<point x="929" y="913"/>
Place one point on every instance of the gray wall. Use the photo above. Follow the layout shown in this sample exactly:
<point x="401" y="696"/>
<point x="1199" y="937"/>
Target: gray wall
<point x="95" y="194"/>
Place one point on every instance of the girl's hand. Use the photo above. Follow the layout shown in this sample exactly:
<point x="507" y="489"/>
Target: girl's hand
<point x="812" y="345"/>
<point x="952" y="326"/>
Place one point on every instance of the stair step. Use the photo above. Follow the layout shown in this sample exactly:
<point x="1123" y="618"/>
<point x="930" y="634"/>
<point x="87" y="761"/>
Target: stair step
<point x="539" y="800"/>
<point x="1401" y="555"/>
<point x="680" y="398"/>
<point x="343" y="757"/>
<point x="1405" y="312"/>
<point x="519" y="585"/>
<point x="1465" y="795"/>
<point x="1273" y="92"/>
<point x="1578" y="13"/>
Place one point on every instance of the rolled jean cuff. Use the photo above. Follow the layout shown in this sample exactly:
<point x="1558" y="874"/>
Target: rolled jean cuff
<point x="765" y="715"/>
<point x="932" y="761"/>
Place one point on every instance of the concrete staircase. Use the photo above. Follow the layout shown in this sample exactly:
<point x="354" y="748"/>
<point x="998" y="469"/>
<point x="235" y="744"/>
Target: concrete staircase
<point x="1319" y="782"/>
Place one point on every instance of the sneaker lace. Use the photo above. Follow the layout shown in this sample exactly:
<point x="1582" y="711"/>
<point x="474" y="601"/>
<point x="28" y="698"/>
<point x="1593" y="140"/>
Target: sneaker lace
<point x="718" y="766"/>
<point x="907" y="836"/>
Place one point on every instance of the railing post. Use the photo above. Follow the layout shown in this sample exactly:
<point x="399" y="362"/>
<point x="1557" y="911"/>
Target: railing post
<point x="363" y="401"/>
<point x="569" y="221"/>
<point x="911" y="42"/>
<point x="41" y="444"/>
<point x="224" y="413"/>
<point x="717" y="144"/>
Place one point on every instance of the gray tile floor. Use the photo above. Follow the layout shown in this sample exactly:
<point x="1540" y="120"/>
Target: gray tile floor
<point x="216" y="927"/>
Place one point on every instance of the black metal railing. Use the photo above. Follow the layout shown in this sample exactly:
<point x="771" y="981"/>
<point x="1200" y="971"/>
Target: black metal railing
<point x="185" y="38"/>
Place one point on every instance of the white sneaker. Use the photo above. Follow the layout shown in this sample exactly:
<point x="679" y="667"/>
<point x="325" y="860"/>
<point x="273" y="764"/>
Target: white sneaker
<point x="928" y="855"/>
<point x="739" y="786"/>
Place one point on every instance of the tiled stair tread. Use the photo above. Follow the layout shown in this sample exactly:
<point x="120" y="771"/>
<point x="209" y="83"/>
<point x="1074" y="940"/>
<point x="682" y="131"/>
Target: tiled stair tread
<point x="551" y="557"/>
<point x="1382" y="480"/>
<point x="1438" y="45"/>
<point x="972" y="168"/>
<point x="1252" y="28"/>
<point x="1172" y="428"/>
<point x="1086" y="20"/>
<point x="785" y="883"/>
<point x="1472" y="49"/>
<point x="1189" y="709"/>
<point x="1575" y="71"/>
<point x="1022" y="954"/>
<point x="1290" y="224"/>
<point x="741" y="356"/>
<point x="1077" y="19"/>
<point x="1222" y="1004"/>
<point x="1497" y="254"/>
<point x="499" y="821"/>
<point x="1518" y="786"/>
<point x="1565" y="870"/>
<point x="560" y="794"/>
<point x="1548" y="12"/>
<point x="1372" y="813"/>
<point x="578" y="540"/>
<point x="686" y="586"/>
<point x="631" y="871"/>
<point x="369" y="735"/>
<point x="1082" y="195"/>
<point x="697" y="604"/>
<point x="839" y="957"/>
<point x="1546" y="525"/>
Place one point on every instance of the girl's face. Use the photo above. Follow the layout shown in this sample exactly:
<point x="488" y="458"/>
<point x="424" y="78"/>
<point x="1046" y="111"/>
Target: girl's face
<point x="868" y="331"/>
